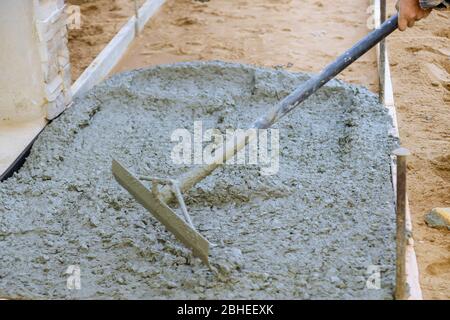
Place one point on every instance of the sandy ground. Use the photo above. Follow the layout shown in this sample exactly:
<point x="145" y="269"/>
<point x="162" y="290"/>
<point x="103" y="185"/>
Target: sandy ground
<point x="305" y="35"/>
<point x="420" y="61"/>
<point x="284" y="33"/>
<point x="101" y="20"/>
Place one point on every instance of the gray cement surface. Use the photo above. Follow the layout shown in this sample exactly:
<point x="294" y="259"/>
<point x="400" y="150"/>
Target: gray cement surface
<point x="311" y="231"/>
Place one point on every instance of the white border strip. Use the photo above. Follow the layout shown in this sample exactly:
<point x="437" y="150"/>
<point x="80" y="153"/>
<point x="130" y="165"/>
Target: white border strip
<point x="147" y="11"/>
<point x="412" y="270"/>
<point x="115" y="50"/>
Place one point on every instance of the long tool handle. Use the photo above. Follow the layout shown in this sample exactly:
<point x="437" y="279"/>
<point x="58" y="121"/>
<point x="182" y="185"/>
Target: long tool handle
<point x="191" y="178"/>
<point x="332" y="70"/>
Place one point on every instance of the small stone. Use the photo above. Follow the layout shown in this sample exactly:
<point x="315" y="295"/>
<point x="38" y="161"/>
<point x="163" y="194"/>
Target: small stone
<point x="199" y="289"/>
<point x="224" y="269"/>
<point x="435" y="83"/>
<point x="94" y="221"/>
<point x="236" y="253"/>
<point x="335" y="279"/>
<point x="189" y="284"/>
<point x="438" y="218"/>
<point x="302" y="283"/>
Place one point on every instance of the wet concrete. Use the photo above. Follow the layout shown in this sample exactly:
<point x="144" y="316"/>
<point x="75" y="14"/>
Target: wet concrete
<point x="311" y="231"/>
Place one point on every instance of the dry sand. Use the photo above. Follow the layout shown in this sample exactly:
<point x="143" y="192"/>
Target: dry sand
<point x="292" y="34"/>
<point x="101" y="20"/>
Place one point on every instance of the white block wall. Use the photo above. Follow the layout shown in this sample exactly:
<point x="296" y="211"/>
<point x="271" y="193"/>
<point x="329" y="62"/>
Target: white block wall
<point x="34" y="59"/>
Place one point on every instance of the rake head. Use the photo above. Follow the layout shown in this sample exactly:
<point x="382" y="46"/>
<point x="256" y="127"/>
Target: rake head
<point x="182" y="230"/>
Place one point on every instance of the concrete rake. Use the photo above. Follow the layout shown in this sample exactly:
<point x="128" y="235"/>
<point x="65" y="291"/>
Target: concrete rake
<point x="156" y="200"/>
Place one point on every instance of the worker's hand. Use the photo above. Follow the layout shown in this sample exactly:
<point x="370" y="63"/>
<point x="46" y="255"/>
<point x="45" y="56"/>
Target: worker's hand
<point x="410" y="12"/>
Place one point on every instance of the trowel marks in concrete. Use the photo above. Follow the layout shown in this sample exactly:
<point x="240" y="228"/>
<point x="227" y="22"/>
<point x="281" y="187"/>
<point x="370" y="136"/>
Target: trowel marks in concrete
<point x="311" y="231"/>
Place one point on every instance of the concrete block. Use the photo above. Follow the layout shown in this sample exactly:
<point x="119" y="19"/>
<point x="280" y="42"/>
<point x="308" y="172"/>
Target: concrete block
<point x="55" y="108"/>
<point x="53" y="89"/>
<point x="48" y="28"/>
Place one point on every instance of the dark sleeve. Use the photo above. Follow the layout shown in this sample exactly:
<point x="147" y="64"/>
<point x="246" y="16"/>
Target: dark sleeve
<point x="437" y="4"/>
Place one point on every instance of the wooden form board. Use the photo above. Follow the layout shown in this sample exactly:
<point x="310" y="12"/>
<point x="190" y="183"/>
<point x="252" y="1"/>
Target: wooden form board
<point x="412" y="270"/>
